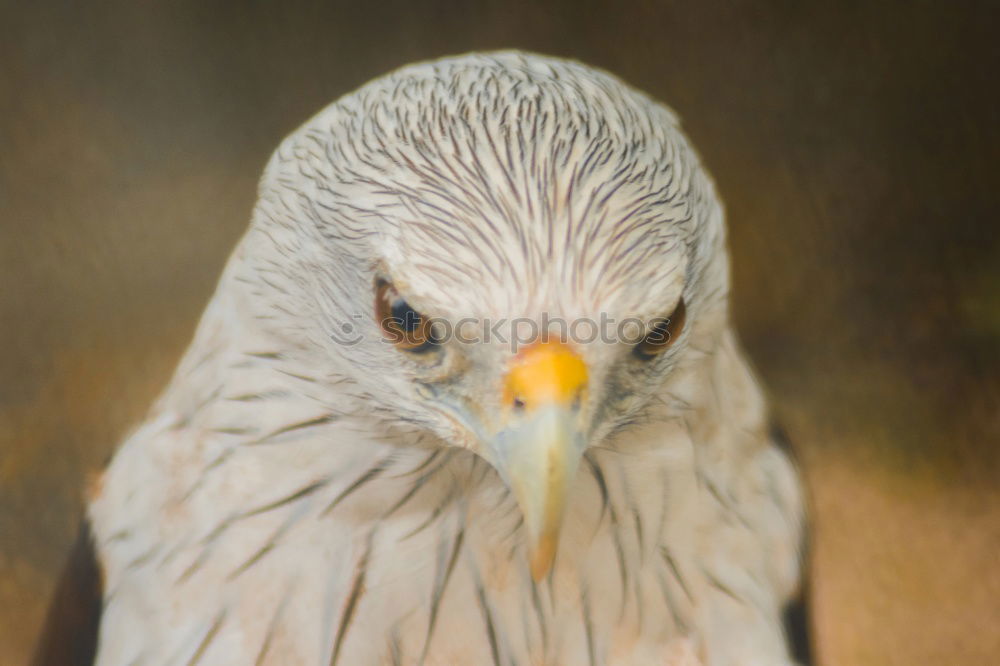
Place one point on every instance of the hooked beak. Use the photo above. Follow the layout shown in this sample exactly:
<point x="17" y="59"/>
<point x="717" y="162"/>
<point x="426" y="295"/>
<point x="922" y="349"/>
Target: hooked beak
<point x="539" y="447"/>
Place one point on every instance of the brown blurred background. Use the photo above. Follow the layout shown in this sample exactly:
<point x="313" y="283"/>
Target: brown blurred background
<point x="856" y="146"/>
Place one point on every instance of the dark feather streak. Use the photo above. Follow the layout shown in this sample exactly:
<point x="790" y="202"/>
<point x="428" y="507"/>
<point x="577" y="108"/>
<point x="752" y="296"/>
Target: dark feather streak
<point x="350" y="607"/>
<point x="213" y="631"/>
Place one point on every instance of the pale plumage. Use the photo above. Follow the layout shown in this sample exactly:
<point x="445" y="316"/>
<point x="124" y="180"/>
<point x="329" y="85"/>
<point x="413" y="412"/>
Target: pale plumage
<point x="296" y="500"/>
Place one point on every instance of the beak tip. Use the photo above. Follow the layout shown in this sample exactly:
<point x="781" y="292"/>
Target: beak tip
<point x="542" y="558"/>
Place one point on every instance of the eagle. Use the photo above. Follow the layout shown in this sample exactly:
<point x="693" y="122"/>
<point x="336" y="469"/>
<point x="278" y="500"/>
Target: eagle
<point x="467" y="392"/>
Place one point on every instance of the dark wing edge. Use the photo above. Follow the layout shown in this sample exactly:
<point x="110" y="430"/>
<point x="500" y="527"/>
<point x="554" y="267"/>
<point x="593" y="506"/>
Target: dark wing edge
<point x="69" y="634"/>
<point x="795" y="616"/>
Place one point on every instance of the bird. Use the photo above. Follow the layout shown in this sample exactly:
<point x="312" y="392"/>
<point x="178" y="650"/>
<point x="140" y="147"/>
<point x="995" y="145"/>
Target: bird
<point x="468" y="392"/>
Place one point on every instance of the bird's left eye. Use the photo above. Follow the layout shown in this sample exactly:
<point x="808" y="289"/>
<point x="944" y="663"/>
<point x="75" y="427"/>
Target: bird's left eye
<point x="663" y="334"/>
<point x="401" y="324"/>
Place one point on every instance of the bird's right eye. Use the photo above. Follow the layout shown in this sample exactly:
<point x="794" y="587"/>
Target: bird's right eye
<point x="401" y="324"/>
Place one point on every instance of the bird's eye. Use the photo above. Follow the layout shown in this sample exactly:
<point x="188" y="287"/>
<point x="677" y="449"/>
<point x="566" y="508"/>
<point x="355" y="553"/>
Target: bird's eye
<point x="401" y="324"/>
<point x="662" y="335"/>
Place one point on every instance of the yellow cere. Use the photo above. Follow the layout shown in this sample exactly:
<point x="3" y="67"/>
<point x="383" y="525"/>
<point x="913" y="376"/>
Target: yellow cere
<point x="546" y="373"/>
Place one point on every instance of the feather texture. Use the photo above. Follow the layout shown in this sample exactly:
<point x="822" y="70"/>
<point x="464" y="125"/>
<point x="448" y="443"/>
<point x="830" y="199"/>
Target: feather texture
<point x="296" y="499"/>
